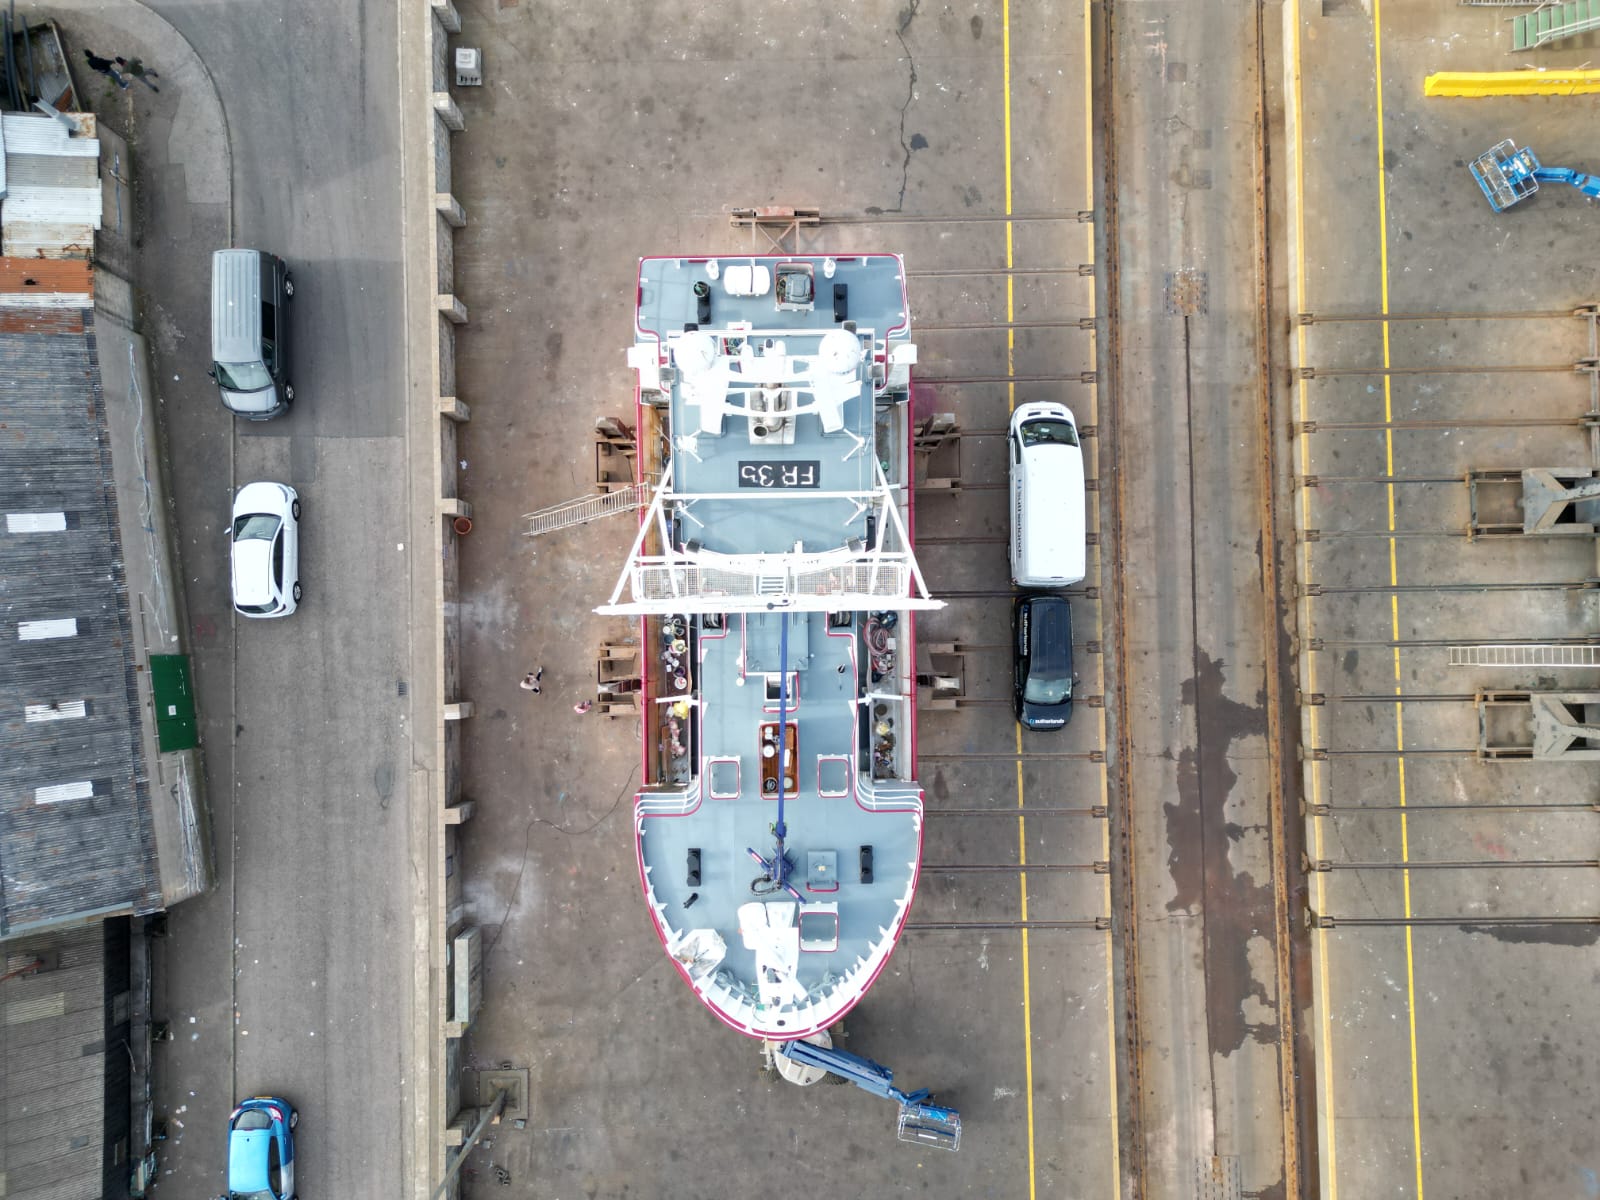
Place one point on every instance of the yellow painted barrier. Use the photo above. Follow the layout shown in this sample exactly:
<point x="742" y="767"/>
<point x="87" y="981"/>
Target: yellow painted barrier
<point x="1511" y="83"/>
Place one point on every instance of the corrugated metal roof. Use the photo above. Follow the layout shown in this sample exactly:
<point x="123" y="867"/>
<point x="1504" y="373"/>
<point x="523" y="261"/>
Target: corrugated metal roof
<point x="35" y="133"/>
<point x="58" y="205"/>
<point x="65" y="860"/>
<point x="41" y="239"/>
<point x="50" y="182"/>
<point x="25" y="276"/>
<point x="62" y="1066"/>
<point x="51" y="170"/>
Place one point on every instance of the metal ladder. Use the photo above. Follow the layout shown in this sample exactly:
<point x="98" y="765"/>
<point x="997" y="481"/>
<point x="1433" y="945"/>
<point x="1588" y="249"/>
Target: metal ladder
<point x="586" y="509"/>
<point x="1528" y="655"/>
<point x="1529" y="31"/>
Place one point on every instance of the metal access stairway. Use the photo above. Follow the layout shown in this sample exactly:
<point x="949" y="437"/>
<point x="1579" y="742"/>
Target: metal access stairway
<point x="1527" y="654"/>
<point x="1553" y="22"/>
<point x="585" y="509"/>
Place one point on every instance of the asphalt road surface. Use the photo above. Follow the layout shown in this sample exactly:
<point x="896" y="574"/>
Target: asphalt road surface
<point x="290" y="977"/>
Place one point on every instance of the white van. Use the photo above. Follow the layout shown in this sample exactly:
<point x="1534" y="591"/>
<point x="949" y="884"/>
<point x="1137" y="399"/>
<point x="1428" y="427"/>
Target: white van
<point x="1049" y="539"/>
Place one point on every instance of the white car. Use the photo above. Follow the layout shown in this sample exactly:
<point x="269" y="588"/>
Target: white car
<point x="266" y="550"/>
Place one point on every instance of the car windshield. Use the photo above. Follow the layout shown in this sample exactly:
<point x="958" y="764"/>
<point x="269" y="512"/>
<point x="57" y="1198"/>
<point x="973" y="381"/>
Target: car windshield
<point x="1049" y="432"/>
<point x="1044" y="688"/>
<point x="243" y="377"/>
<point x="255" y="526"/>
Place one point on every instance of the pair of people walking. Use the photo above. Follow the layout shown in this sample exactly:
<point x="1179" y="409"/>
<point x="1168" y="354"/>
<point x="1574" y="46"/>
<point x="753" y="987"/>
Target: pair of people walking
<point x="121" y="70"/>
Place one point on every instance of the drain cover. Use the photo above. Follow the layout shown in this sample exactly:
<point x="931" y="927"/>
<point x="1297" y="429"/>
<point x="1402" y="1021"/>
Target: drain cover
<point x="1186" y="292"/>
<point x="1217" y="1178"/>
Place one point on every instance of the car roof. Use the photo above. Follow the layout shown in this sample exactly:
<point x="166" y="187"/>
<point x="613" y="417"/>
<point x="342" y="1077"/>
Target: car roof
<point x="252" y="571"/>
<point x="1049" y="631"/>
<point x="247" y="1160"/>
<point x="236" y="305"/>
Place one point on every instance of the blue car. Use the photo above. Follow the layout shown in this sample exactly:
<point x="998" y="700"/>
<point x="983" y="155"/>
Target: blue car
<point x="261" y="1150"/>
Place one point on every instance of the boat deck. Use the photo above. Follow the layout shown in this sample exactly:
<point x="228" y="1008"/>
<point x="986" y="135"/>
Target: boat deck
<point x="826" y="820"/>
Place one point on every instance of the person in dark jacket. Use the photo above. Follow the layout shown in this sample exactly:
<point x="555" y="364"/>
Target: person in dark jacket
<point x="106" y="67"/>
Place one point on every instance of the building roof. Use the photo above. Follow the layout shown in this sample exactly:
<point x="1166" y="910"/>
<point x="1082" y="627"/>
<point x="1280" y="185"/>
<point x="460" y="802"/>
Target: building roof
<point x="76" y="837"/>
<point x="50" y="181"/>
<point x="63" y="1069"/>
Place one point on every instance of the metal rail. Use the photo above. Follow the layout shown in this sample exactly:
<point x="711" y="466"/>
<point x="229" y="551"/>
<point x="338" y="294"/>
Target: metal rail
<point x="1323" y="589"/>
<point x="1579" y="422"/>
<point x="1439" y="643"/>
<point x="1325" y="810"/>
<point x="967" y="380"/>
<point x="1014" y="813"/>
<point x="1011" y="756"/>
<point x="1478" y="369"/>
<point x="1100" y="923"/>
<point x="887" y="218"/>
<point x="1096" y="868"/>
<point x="999" y="272"/>
<point x="999" y="326"/>
<point x="1491" y="864"/>
<point x="1395" y="318"/>
<point x="1318" y="921"/>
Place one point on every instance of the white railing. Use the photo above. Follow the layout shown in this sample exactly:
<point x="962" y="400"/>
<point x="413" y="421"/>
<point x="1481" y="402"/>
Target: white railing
<point x="845" y="586"/>
<point x="888" y="795"/>
<point x="669" y="804"/>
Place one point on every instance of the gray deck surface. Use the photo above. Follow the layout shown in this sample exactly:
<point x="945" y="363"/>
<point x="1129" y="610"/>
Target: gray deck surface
<point x="723" y="829"/>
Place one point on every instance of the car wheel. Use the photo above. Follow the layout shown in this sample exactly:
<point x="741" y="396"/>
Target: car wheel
<point x="288" y="286"/>
<point x="294" y="1117"/>
<point x="295" y="509"/>
<point x="288" y="393"/>
<point x="297" y="592"/>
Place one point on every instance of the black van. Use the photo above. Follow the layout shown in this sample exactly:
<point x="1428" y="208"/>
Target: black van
<point x="250" y="294"/>
<point x="1043" y="644"/>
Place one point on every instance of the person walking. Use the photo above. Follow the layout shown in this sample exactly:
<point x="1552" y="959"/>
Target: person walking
<point x="139" y="71"/>
<point x="106" y="67"/>
<point x="530" y="681"/>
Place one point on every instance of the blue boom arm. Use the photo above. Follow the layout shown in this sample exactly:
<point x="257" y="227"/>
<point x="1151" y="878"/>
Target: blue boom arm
<point x="1589" y="185"/>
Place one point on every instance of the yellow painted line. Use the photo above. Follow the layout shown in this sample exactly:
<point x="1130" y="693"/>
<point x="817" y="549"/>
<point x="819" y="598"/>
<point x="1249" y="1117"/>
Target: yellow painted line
<point x="1477" y="84"/>
<point x="1011" y="403"/>
<point x="1394" y="599"/>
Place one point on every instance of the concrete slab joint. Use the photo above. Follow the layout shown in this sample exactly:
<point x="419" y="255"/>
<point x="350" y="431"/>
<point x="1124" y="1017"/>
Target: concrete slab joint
<point x="451" y="309"/>
<point x="445" y="107"/>
<point x="444" y="11"/>
<point x="450" y="208"/>
<point x="454" y="410"/>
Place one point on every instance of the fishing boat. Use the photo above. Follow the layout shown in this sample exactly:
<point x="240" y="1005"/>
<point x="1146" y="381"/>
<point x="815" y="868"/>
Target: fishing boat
<point x="779" y="824"/>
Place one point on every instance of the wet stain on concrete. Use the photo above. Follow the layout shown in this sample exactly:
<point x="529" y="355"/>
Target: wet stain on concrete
<point x="977" y="28"/>
<point x="1234" y="907"/>
<point x="918" y="142"/>
<point x="1540" y="935"/>
<point x="941" y="789"/>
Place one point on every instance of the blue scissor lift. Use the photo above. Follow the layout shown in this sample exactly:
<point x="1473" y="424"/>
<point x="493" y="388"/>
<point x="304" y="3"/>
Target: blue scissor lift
<point x="919" y="1121"/>
<point x="1508" y="175"/>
